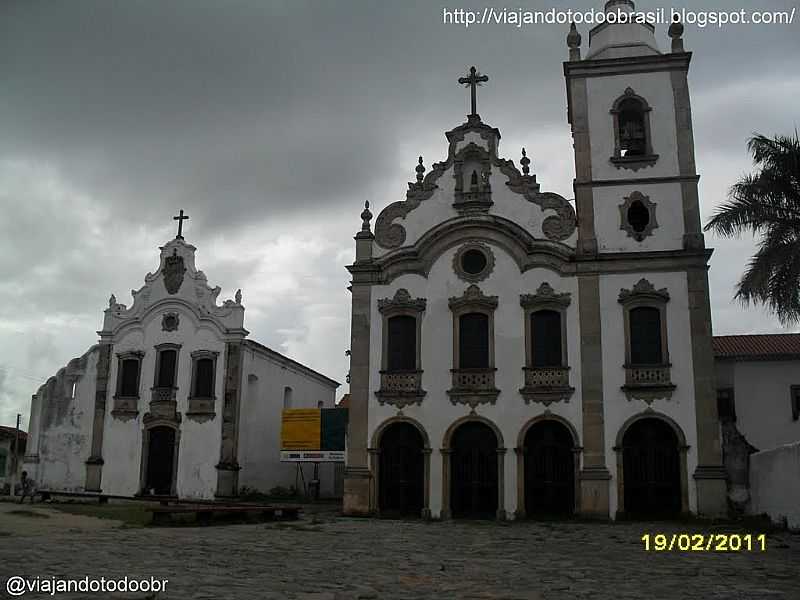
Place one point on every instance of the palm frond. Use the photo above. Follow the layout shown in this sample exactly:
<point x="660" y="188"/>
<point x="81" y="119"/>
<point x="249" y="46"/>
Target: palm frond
<point x="767" y="203"/>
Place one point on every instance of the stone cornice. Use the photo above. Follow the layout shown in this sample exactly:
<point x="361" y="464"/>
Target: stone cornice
<point x="601" y="67"/>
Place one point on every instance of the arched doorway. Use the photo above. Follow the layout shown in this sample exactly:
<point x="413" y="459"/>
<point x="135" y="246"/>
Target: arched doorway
<point x="401" y="485"/>
<point x="549" y="469"/>
<point x="651" y="467"/>
<point x="474" y="477"/>
<point x="160" y="461"/>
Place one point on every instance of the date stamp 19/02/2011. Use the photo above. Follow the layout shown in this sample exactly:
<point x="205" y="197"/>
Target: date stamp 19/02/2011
<point x="704" y="542"/>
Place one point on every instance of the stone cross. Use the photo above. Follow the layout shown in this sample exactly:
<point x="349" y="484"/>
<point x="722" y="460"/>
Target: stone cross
<point x="180" y="219"/>
<point x="473" y="80"/>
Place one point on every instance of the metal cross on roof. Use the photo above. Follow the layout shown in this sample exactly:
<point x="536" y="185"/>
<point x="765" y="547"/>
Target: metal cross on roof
<point x="473" y="80"/>
<point x="180" y="219"/>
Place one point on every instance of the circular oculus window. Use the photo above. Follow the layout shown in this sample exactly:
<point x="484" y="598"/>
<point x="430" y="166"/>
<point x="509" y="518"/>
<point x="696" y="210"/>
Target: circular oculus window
<point x="473" y="262"/>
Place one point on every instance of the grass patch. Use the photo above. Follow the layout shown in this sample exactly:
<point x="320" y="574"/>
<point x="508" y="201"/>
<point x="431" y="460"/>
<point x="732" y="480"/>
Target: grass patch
<point x="131" y="514"/>
<point x="28" y="513"/>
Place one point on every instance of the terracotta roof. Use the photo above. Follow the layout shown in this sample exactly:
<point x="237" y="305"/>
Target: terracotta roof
<point x="11" y="432"/>
<point x="778" y="346"/>
<point x="344" y="401"/>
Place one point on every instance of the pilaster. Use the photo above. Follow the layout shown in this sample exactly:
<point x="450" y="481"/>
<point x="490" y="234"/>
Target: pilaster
<point x="594" y="477"/>
<point x="228" y="467"/>
<point x="710" y="475"/>
<point x="357" y="476"/>
<point x="94" y="464"/>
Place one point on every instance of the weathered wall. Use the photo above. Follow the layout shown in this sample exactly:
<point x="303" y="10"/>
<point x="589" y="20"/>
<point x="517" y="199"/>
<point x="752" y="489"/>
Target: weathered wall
<point x="264" y="381"/>
<point x="775" y="484"/>
<point x="65" y="424"/>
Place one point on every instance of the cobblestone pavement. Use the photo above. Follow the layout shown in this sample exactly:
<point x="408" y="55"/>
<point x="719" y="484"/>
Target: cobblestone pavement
<point x="336" y="558"/>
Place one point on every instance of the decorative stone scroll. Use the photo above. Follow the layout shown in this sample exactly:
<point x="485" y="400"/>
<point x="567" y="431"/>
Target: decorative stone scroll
<point x="545" y="297"/>
<point x="401" y="302"/>
<point x="643" y="290"/>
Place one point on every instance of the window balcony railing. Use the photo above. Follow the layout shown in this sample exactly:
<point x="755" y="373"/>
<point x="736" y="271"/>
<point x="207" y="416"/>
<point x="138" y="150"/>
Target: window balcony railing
<point x="648" y="382"/>
<point x="163" y="403"/>
<point x="401" y="388"/>
<point x="201" y="408"/>
<point x="125" y="407"/>
<point x="546" y="385"/>
<point x="473" y="386"/>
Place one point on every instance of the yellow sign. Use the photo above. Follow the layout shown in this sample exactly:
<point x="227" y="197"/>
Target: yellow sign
<point x="301" y="429"/>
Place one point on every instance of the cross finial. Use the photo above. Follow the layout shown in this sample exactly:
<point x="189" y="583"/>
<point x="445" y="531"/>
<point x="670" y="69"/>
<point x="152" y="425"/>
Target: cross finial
<point x="180" y="219"/>
<point x="473" y="80"/>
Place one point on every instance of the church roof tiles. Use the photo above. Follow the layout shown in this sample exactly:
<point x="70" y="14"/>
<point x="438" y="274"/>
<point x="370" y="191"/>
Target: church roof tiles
<point x="779" y="346"/>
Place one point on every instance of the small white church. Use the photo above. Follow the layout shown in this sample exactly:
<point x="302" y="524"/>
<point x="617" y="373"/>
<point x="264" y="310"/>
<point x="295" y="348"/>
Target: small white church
<point x="515" y="353"/>
<point x="173" y="400"/>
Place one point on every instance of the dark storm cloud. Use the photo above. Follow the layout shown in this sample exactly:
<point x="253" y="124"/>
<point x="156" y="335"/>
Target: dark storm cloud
<point x="270" y="123"/>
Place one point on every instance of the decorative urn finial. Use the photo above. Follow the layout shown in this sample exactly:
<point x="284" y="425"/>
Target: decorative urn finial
<point x="525" y="162"/>
<point x="420" y="169"/>
<point x="675" y="31"/>
<point x="366" y="217"/>
<point x="574" y="42"/>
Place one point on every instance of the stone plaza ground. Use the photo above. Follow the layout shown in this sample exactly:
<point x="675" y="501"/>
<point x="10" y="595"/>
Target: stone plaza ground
<point x="325" y="556"/>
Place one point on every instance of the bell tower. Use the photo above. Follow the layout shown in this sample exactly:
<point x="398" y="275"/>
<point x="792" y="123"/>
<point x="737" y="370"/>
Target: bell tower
<point x="636" y="181"/>
<point x="637" y="209"/>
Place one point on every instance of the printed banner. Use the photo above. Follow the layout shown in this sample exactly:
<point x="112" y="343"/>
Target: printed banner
<point x="313" y="434"/>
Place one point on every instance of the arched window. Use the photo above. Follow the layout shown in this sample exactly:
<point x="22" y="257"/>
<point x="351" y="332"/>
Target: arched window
<point x="645" y="336"/>
<point x="632" y="131"/>
<point x="204" y="378"/>
<point x="647" y="366"/>
<point x="167" y="363"/>
<point x="633" y="146"/>
<point x="473" y="341"/>
<point x="546" y="339"/>
<point x="129" y="377"/>
<point x="401" y="345"/>
<point x="287" y="397"/>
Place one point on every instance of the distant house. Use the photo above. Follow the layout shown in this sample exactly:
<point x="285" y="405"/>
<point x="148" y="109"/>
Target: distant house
<point x="758" y="402"/>
<point x="758" y="386"/>
<point x="7" y="437"/>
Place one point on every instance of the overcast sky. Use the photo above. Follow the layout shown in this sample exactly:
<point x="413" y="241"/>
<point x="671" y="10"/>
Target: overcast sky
<point x="270" y="123"/>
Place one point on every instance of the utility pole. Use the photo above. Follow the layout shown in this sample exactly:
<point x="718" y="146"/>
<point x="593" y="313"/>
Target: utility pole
<point x="14" y="457"/>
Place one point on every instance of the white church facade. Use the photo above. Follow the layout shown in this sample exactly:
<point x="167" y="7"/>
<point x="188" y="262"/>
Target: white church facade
<point x="173" y="400"/>
<point x="514" y="353"/>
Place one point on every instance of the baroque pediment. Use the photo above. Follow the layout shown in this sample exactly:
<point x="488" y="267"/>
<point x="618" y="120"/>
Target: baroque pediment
<point x="473" y="162"/>
<point x="177" y="280"/>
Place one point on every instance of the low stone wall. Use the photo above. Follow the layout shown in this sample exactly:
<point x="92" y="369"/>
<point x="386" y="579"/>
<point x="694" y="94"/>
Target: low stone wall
<point x="775" y="484"/>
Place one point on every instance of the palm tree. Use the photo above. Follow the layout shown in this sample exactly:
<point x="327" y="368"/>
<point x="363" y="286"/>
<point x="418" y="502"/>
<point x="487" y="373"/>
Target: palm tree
<point x="768" y="203"/>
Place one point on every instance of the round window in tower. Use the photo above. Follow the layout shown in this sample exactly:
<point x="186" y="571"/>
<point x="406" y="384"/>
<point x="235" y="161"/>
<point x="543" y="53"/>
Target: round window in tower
<point x="473" y="262"/>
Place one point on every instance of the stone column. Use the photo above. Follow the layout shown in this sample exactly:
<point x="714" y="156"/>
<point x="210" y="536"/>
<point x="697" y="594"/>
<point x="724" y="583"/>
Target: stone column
<point x="94" y="464"/>
<point x="228" y="467"/>
<point x="594" y="477"/>
<point x="710" y="475"/>
<point x="357" y="475"/>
